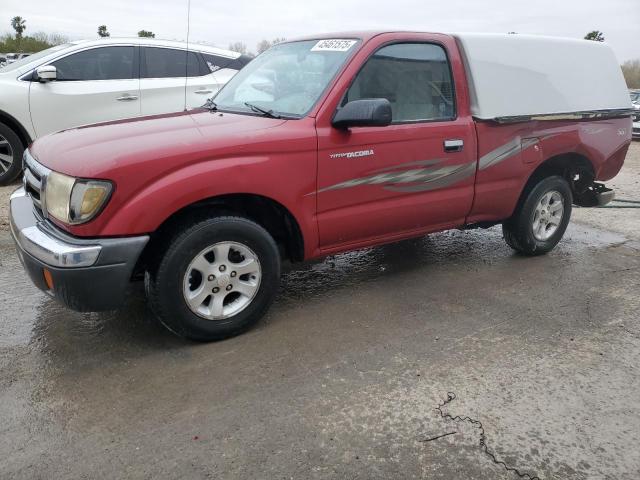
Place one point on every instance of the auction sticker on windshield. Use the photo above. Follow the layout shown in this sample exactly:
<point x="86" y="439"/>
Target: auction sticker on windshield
<point x="333" y="45"/>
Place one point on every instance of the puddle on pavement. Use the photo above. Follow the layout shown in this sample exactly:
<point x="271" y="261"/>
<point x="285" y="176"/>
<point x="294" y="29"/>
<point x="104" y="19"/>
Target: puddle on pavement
<point x="31" y="317"/>
<point x="592" y="237"/>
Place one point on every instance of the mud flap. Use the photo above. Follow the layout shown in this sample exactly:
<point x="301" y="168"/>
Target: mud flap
<point x="596" y="195"/>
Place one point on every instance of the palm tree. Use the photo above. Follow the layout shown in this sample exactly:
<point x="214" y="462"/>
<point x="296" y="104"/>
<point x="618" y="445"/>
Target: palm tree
<point x="102" y="31"/>
<point x="19" y="24"/>
<point x="595" y="35"/>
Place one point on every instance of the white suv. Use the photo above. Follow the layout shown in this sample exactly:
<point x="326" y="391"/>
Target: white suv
<point x="102" y="80"/>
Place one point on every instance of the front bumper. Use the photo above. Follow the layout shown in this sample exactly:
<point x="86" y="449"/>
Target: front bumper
<point x="84" y="274"/>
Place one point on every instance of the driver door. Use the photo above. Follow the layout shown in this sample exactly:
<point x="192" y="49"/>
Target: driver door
<point x="415" y="175"/>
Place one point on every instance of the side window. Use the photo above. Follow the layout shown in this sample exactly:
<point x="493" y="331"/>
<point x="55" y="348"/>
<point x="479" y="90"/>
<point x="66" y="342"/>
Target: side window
<point x="104" y="63"/>
<point x="169" y="63"/>
<point x="216" y="62"/>
<point x="240" y="62"/>
<point x="414" y="77"/>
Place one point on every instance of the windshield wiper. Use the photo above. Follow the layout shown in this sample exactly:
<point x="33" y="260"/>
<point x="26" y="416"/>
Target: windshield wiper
<point x="264" y="111"/>
<point x="210" y="104"/>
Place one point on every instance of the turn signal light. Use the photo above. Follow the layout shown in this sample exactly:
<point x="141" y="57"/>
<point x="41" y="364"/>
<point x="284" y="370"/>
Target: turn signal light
<point x="48" y="278"/>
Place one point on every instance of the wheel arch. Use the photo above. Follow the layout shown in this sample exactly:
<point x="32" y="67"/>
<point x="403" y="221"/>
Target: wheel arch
<point x="266" y="212"/>
<point x="574" y="167"/>
<point x="17" y="127"/>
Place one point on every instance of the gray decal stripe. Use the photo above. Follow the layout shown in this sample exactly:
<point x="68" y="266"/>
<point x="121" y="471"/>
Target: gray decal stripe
<point x="459" y="174"/>
<point x="501" y="153"/>
<point x="436" y="176"/>
<point x="418" y="163"/>
<point x="507" y="150"/>
<point x="527" y="142"/>
<point x="403" y="176"/>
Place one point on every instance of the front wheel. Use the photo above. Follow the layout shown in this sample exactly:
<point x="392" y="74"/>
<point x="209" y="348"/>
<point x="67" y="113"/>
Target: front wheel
<point x="11" y="151"/>
<point x="215" y="279"/>
<point x="541" y="219"/>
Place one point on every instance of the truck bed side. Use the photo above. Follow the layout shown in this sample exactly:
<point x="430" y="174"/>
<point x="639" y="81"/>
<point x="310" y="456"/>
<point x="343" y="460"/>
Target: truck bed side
<point x="510" y="154"/>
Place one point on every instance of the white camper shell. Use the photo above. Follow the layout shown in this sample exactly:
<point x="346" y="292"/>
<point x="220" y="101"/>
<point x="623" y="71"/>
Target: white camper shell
<point x="514" y="77"/>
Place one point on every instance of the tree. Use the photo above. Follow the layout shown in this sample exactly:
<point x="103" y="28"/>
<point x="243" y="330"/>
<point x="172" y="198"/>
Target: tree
<point x="262" y="46"/>
<point x="103" y="32"/>
<point x="631" y="72"/>
<point x="266" y="44"/>
<point x="145" y="33"/>
<point x="30" y="43"/>
<point x="595" y="35"/>
<point x="19" y="24"/>
<point x="57" y="39"/>
<point x="239" y="47"/>
<point x="40" y="37"/>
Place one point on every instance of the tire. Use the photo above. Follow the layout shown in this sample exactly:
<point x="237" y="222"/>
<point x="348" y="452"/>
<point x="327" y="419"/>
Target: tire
<point x="11" y="151"/>
<point x="182" y="272"/>
<point x="523" y="233"/>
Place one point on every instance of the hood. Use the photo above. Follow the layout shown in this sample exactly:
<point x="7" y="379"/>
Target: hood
<point x="156" y="143"/>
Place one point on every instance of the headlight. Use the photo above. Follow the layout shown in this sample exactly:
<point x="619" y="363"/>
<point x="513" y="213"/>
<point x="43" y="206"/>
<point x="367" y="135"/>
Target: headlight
<point x="72" y="200"/>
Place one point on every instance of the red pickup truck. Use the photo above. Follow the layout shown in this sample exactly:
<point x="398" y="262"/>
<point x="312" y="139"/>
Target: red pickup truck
<point x="320" y="146"/>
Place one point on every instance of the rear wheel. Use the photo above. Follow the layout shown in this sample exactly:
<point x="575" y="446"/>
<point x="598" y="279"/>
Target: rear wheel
<point x="215" y="279"/>
<point x="541" y="218"/>
<point x="11" y="151"/>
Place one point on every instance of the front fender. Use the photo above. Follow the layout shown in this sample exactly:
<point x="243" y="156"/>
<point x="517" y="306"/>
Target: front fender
<point x="288" y="179"/>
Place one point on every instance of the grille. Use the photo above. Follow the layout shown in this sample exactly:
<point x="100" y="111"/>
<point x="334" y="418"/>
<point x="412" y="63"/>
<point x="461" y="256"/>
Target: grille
<point x="35" y="178"/>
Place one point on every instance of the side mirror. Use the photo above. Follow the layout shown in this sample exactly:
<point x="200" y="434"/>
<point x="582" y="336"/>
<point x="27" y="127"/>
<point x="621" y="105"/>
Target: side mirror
<point x="371" y="112"/>
<point x="46" y="73"/>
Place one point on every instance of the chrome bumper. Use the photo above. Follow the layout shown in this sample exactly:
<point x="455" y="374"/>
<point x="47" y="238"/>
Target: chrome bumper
<point x="88" y="275"/>
<point x="49" y="250"/>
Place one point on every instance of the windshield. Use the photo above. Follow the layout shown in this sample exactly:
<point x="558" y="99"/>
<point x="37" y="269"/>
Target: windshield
<point x="34" y="56"/>
<point x="287" y="79"/>
<point x="635" y="96"/>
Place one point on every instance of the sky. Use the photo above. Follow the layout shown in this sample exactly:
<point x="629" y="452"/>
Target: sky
<point x="221" y="22"/>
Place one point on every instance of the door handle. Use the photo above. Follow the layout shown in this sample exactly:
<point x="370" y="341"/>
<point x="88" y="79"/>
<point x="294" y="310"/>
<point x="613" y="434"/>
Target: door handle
<point x="453" y="145"/>
<point x="203" y="92"/>
<point x="127" y="98"/>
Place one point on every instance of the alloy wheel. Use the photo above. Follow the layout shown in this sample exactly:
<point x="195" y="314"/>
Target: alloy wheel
<point x="548" y="215"/>
<point x="6" y="155"/>
<point x="222" y="280"/>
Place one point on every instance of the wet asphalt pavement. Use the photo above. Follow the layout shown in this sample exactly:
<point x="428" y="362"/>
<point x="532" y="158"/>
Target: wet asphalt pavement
<point x="342" y="378"/>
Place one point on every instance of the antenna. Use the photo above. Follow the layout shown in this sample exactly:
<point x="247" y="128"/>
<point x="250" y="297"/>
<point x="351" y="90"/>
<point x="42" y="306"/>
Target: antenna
<point x="186" y="59"/>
